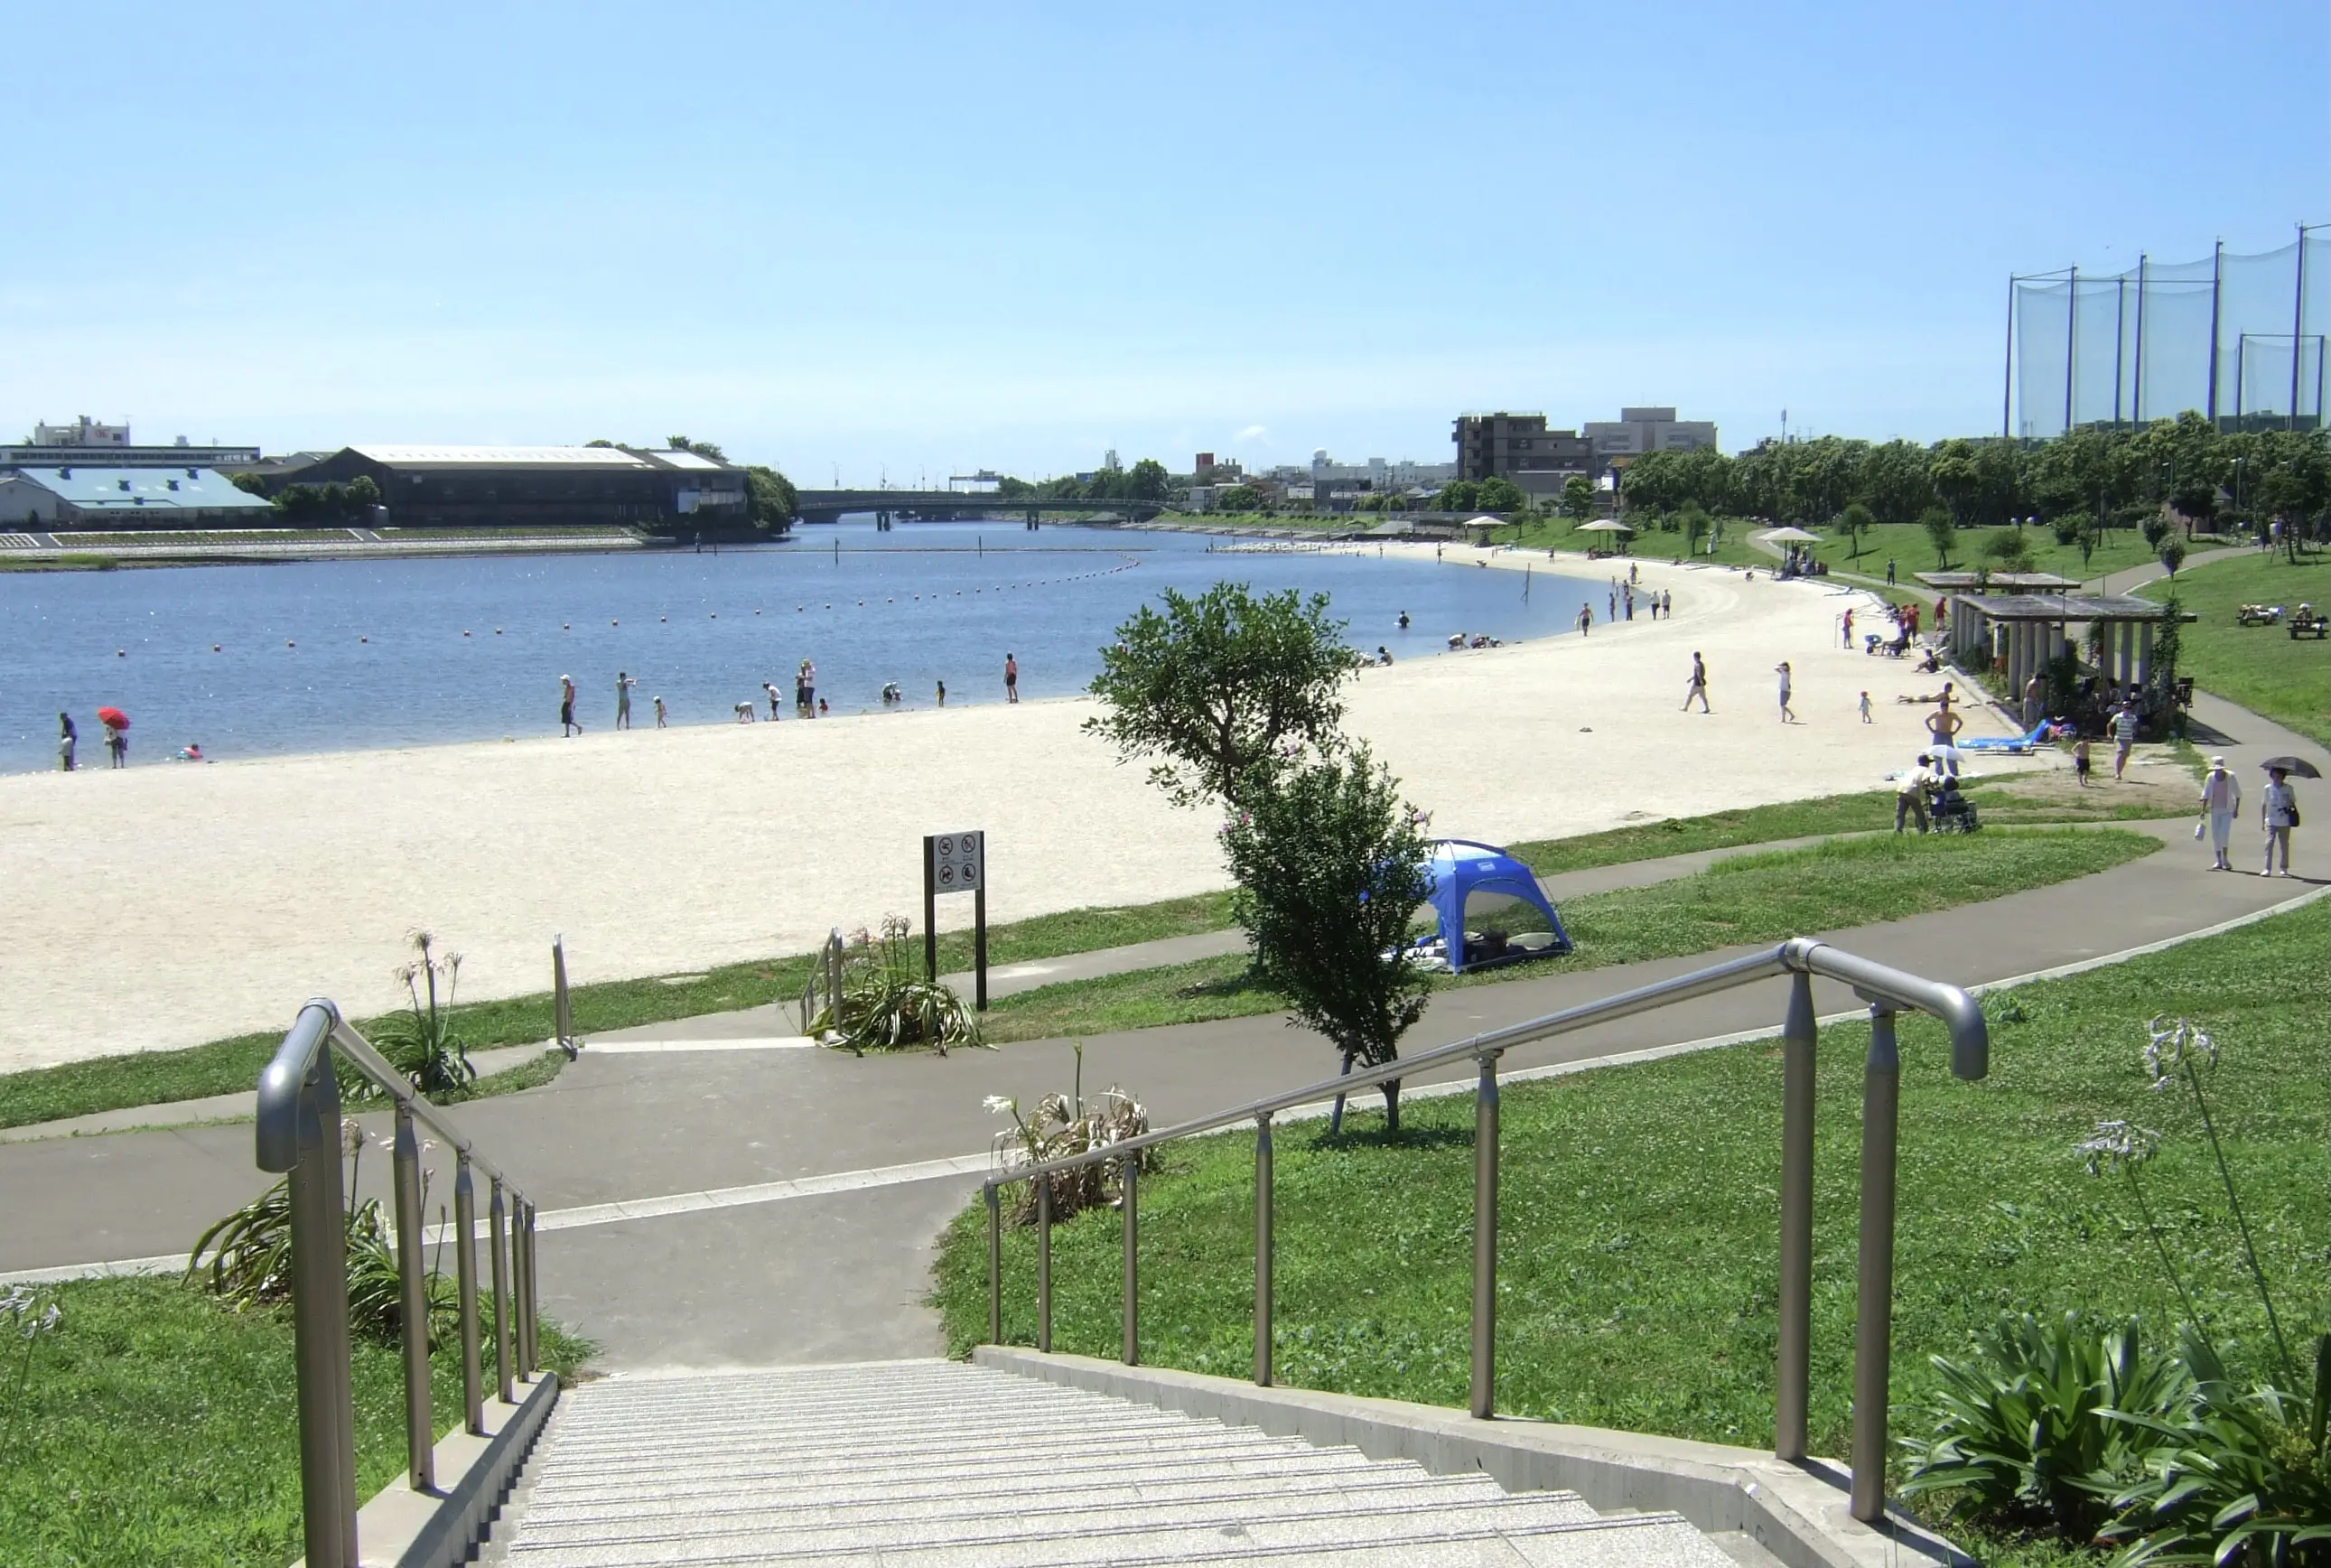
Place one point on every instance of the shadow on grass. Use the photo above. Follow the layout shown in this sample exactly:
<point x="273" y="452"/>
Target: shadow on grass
<point x="1379" y="1138"/>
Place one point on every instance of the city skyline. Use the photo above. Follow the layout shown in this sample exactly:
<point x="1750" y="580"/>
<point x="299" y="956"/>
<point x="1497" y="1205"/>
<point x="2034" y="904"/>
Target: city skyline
<point x="919" y="242"/>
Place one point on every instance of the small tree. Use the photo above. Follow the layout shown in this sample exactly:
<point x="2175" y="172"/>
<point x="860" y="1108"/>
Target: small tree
<point x="1578" y="497"/>
<point x="1942" y="533"/>
<point x="2196" y="500"/>
<point x="1213" y="689"/>
<point x="2173" y="554"/>
<point x="1853" y="522"/>
<point x="1694" y="523"/>
<point x="2008" y="550"/>
<point x="1500" y="494"/>
<point x="2156" y="529"/>
<point x="1330" y="867"/>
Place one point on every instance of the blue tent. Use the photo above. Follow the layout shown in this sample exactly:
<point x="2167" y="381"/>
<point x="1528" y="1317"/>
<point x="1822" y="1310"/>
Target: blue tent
<point x="1512" y="918"/>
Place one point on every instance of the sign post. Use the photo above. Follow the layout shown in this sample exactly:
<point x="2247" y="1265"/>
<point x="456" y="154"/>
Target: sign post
<point x="956" y="863"/>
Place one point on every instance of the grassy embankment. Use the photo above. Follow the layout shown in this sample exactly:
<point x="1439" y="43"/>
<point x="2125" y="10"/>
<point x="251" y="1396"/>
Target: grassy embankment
<point x="2263" y="668"/>
<point x="152" y="1426"/>
<point x="1747" y="899"/>
<point x="232" y="1066"/>
<point x="1638" y="1243"/>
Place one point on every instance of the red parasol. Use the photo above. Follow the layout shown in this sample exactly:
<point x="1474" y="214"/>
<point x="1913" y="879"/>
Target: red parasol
<point x="113" y="718"/>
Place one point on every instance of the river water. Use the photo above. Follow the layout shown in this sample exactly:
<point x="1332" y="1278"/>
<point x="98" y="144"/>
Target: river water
<point x="269" y="659"/>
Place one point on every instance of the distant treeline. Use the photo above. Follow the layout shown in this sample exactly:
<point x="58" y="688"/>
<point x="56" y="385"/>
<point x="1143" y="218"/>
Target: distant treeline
<point x="2114" y="476"/>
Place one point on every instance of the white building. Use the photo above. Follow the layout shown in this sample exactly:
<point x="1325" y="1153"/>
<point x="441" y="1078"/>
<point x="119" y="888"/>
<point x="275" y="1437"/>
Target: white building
<point x="1379" y="474"/>
<point x="1638" y="431"/>
<point x="83" y="431"/>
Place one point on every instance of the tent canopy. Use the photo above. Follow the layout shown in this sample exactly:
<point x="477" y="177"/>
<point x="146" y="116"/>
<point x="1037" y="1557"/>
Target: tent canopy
<point x="1791" y="535"/>
<point x="1489" y="907"/>
<point x="1604" y="525"/>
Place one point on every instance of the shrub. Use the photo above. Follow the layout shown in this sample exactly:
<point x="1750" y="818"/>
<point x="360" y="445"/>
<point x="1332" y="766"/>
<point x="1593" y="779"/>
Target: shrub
<point x="420" y="1040"/>
<point x="2019" y="1427"/>
<point x="884" y="1004"/>
<point x="2154" y="528"/>
<point x="1060" y="1128"/>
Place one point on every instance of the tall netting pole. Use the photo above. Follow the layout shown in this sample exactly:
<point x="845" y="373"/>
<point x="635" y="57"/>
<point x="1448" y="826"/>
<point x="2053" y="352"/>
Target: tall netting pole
<point x="2007" y="381"/>
<point x="2217" y="292"/>
<point x="2120" y="339"/>
<point x="2298" y="326"/>
<point x="2071" y="339"/>
<point x="2136" y="394"/>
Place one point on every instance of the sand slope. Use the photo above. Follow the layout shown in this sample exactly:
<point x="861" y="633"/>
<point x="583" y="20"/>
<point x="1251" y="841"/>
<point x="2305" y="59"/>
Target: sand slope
<point x="163" y="906"/>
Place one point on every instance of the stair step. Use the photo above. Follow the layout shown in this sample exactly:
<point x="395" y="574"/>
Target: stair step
<point x="885" y="1520"/>
<point x="1014" y="1452"/>
<point x="1042" y="1542"/>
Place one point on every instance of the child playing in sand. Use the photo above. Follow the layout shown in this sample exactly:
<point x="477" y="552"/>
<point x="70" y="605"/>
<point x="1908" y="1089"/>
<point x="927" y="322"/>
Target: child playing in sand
<point x="658" y="708"/>
<point x="1865" y="708"/>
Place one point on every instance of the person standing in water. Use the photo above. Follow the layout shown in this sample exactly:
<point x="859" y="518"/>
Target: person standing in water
<point x="68" y="742"/>
<point x="808" y="686"/>
<point x="1585" y="619"/>
<point x="1698" y="686"/>
<point x="1011" y="679"/>
<point x="567" y="724"/>
<point x="624" y="684"/>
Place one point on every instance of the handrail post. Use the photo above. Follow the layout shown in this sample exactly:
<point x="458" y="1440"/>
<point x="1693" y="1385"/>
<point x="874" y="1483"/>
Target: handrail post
<point x="1484" y="1392"/>
<point x="496" y="1224"/>
<point x="465" y="1276"/>
<point x="1044" y="1262"/>
<point x="521" y="1289"/>
<point x="1793" y="1379"/>
<point x="994" y="1264"/>
<point x="420" y="1422"/>
<point x="1262" y="1250"/>
<point x="319" y="1326"/>
<point x="1129" y="1187"/>
<point x="562" y="1009"/>
<point x="533" y="1298"/>
<point x="1873" y="1316"/>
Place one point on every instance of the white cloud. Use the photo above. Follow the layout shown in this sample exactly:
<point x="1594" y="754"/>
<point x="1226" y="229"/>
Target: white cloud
<point x="1253" y="433"/>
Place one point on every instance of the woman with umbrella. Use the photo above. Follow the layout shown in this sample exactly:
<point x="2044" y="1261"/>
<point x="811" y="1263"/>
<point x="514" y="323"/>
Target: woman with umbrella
<point x="116" y="734"/>
<point x="2278" y="807"/>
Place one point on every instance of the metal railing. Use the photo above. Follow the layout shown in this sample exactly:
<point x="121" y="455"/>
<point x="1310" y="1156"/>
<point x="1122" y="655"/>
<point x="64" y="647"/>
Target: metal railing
<point x="823" y="989"/>
<point x="299" y="1134"/>
<point x="562" y="1009"/>
<point x="1887" y="992"/>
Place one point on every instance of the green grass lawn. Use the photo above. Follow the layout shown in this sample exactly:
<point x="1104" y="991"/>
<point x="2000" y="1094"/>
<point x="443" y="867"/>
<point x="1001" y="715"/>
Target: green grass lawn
<point x="2263" y="668"/>
<point x="1754" y="897"/>
<point x="1639" y="1206"/>
<point x="153" y="1425"/>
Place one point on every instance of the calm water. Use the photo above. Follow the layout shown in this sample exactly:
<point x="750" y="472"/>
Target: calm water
<point x="340" y="655"/>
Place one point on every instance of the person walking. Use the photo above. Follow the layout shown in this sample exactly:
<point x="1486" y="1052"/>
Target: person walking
<point x="2222" y="799"/>
<point x="1585" y="619"/>
<point x="1788" y="715"/>
<point x="1911" y="793"/>
<point x="2035" y="700"/>
<point x="624" y="684"/>
<point x="1889" y="571"/>
<point x="769" y="690"/>
<point x="1865" y="708"/>
<point x="2278" y="814"/>
<point x="1011" y="679"/>
<point x="658" y="708"/>
<point x="2080" y="762"/>
<point x="1667" y="604"/>
<point x="1848" y="631"/>
<point x="2123" y="733"/>
<point x="1615" y="605"/>
<point x="567" y="724"/>
<point x="68" y="742"/>
<point x="1698" y="686"/>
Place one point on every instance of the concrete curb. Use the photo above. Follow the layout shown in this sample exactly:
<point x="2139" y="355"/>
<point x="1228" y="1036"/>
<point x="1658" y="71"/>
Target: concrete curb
<point x="1798" y="1512"/>
<point x="401" y="1528"/>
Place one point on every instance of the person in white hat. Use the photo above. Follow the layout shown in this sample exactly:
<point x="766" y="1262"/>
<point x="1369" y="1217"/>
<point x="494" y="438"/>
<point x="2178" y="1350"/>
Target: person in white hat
<point x="2222" y="799"/>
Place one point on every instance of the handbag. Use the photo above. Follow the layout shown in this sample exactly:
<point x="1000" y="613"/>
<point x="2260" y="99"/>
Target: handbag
<point x="2197" y="830"/>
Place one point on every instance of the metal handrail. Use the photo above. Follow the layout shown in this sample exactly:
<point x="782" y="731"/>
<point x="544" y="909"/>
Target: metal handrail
<point x="1886" y="990"/>
<point x="299" y="1134"/>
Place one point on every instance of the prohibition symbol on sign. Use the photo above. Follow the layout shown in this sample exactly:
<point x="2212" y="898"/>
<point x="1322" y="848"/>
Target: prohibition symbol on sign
<point x="955" y="863"/>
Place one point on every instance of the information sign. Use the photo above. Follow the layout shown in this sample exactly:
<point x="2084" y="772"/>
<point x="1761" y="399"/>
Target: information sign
<point x="956" y="863"/>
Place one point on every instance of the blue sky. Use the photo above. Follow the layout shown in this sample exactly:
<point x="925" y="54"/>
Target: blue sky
<point x="907" y="239"/>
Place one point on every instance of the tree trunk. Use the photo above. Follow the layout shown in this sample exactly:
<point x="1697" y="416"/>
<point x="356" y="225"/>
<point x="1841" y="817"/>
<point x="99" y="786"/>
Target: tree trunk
<point x="1335" y="1116"/>
<point x="1391" y="1087"/>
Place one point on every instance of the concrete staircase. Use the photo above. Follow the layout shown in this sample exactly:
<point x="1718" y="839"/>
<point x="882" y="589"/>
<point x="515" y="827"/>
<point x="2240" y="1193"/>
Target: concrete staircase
<point x="938" y="1465"/>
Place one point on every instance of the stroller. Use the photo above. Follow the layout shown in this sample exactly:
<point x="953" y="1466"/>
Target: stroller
<point x="1951" y="811"/>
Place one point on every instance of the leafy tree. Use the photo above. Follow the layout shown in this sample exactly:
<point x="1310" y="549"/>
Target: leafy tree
<point x="1500" y="494"/>
<point x="1853" y="522"/>
<point x="701" y="448"/>
<point x="1941" y="533"/>
<point x="1578" y="497"/>
<point x="2196" y="500"/>
<point x="2173" y="554"/>
<point x="250" y="484"/>
<point x="2154" y="528"/>
<point x="1215" y="688"/>
<point x="1239" y="498"/>
<point x="599" y="440"/>
<point x="2008" y="550"/>
<point x="1694" y="524"/>
<point x="1895" y="481"/>
<point x="770" y="499"/>
<point x="1146" y="480"/>
<point x="1459" y="496"/>
<point x="1329" y="863"/>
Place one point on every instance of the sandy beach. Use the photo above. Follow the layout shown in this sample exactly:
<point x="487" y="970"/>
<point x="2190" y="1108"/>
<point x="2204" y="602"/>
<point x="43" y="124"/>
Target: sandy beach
<point x="164" y="906"/>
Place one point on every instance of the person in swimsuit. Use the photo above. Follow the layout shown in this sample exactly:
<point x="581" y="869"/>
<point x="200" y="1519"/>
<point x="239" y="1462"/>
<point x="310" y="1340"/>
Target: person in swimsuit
<point x="808" y="688"/>
<point x="1011" y="679"/>
<point x="1698" y="686"/>
<point x="942" y="694"/>
<point x="1787" y="715"/>
<point x="658" y="708"/>
<point x="624" y="684"/>
<point x="1944" y="725"/>
<point x="567" y="724"/>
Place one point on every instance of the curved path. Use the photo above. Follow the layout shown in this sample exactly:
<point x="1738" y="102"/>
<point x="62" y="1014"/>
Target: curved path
<point x="711" y="1208"/>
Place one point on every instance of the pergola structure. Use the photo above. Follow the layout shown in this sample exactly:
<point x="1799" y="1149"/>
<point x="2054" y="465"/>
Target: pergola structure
<point x="2023" y="632"/>
<point x="1996" y="582"/>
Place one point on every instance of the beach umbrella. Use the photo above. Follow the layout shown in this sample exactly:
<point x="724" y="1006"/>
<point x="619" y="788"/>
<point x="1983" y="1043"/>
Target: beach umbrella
<point x="1791" y="535"/>
<point x="1606" y="526"/>
<point x="113" y="718"/>
<point x="2298" y="765"/>
<point x="1485" y="522"/>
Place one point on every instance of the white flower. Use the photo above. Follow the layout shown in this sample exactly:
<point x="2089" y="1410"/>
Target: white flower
<point x="2118" y="1144"/>
<point x="2168" y="1049"/>
<point x="1001" y="1104"/>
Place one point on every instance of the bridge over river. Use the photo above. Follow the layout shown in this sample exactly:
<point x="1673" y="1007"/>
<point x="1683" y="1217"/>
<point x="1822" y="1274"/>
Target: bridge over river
<point x="942" y="506"/>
